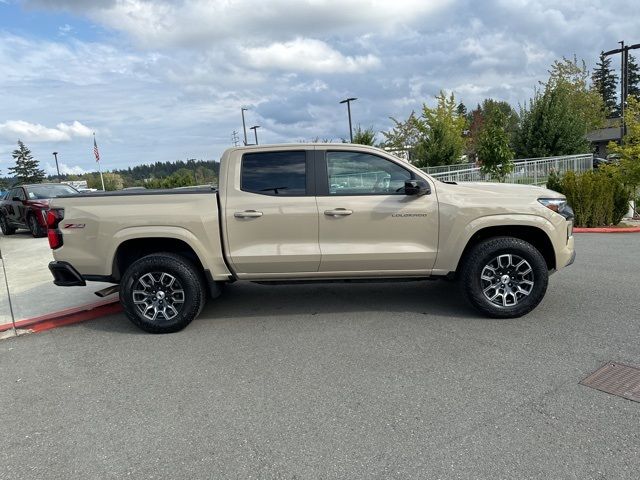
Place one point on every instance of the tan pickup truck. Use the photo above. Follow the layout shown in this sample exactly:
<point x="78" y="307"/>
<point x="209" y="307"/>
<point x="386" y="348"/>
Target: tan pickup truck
<point x="310" y="212"/>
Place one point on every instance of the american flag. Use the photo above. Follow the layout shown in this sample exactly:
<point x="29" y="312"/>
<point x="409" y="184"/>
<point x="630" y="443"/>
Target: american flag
<point x="95" y="150"/>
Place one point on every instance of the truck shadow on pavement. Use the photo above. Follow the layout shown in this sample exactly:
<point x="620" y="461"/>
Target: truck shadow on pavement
<point x="249" y="301"/>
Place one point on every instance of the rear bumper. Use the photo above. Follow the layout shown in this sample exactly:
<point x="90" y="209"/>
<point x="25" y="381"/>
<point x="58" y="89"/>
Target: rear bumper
<point x="64" y="275"/>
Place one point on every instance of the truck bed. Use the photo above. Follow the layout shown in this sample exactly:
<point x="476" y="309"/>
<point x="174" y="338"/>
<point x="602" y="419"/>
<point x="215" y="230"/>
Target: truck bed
<point x="97" y="225"/>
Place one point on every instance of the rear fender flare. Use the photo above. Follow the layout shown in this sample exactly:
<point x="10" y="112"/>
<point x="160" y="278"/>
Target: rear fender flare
<point x="151" y="232"/>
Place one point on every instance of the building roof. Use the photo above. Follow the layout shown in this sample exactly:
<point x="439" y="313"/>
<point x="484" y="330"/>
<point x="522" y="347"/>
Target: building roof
<point x="604" y="134"/>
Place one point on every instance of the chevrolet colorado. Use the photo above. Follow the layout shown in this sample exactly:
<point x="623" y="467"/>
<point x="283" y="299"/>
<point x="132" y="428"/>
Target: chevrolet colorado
<point x="310" y="212"/>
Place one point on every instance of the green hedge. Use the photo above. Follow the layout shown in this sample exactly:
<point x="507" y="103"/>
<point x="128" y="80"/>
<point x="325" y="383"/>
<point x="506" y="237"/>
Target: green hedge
<point x="598" y="197"/>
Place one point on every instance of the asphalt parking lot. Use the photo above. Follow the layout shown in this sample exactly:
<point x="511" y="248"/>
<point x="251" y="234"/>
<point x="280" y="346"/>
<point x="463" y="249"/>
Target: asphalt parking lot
<point x="385" y="380"/>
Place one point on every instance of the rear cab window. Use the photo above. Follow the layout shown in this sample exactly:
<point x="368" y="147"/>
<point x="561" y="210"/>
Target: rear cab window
<point x="283" y="173"/>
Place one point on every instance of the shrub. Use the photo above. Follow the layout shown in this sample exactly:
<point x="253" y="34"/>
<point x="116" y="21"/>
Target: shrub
<point x="554" y="182"/>
<point x="598" y="197"/>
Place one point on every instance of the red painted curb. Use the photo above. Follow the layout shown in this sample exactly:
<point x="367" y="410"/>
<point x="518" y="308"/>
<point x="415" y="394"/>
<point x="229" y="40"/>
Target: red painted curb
<point x="68" y="316"/>
<point x="606" y="230"/>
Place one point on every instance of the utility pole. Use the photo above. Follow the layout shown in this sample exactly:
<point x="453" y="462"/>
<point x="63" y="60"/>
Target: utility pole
<point x="55" y="155"/>
<point x="255" y="132"/>
<point x="234" y="138"/>
<point x="624" y="80"/>
<point x="348" y="102"/>
<point x="244" y="126"/>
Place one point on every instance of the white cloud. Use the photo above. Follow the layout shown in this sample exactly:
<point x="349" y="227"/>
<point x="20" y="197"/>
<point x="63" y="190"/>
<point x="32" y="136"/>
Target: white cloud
<point x="34" y="132"/>
<point x="307" y="55"/>
<point x="76" y="129"/>
<point x="80" y="63"/>
<point x="65" y="29"/>
<point x="162" y="23"/>
<point x="50" y="169"/>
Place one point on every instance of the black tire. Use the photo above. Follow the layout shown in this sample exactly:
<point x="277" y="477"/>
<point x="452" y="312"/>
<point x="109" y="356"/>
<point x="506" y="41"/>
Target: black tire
<point x="5" y="227"/>
<point x="521" y="292"/>
<point x="35" y="228"/>
<point x="187" y="279"/>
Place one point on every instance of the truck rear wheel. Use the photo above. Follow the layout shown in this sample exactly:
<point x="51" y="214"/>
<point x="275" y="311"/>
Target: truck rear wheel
<point x="504" y="277"/>
<point x="162" y="293"/>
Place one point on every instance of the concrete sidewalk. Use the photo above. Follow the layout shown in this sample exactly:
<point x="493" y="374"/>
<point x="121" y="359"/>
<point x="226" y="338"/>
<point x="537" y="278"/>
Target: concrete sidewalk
<point x="31" y="285"/>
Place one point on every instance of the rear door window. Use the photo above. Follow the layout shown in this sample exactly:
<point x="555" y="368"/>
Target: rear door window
<point x="274" y="173"/>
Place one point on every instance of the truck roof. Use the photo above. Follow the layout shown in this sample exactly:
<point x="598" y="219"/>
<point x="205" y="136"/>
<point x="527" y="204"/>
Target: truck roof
<point x="305" y="145"/>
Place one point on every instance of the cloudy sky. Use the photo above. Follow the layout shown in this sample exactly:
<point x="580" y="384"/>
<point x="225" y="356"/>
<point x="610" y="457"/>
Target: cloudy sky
<point x="165" y="80"/>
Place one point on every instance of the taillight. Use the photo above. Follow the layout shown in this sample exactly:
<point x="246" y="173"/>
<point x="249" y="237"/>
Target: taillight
<point x="54" y="234"/>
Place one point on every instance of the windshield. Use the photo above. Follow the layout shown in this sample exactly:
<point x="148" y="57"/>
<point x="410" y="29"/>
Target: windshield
<point x="40" y="192"/>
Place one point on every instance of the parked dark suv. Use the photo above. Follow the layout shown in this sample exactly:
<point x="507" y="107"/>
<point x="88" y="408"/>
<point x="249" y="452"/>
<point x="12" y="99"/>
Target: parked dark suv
<point x="26" y="206"/>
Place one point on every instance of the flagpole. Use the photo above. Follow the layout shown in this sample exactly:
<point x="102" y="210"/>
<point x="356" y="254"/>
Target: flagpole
<point x="98" y="160"/>
<point x="101" y="179"/>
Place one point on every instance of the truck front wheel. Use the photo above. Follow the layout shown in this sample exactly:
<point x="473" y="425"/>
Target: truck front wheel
<point x="504" y="277"/>
<point x="162" y="292"/>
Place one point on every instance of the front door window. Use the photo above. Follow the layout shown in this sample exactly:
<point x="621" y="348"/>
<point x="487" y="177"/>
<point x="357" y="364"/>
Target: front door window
<point x="354" y="173"/>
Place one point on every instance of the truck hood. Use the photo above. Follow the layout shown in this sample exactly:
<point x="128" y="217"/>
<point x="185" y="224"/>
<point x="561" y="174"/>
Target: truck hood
<point x="505" y="189"/>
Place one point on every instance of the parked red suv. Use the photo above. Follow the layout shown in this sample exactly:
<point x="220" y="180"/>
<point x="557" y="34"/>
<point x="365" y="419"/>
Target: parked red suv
<point x="26" y="206"/>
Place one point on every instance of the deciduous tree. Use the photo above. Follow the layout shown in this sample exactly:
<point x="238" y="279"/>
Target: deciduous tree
<point x="364" y="136"/>
<point x="557" y="119"/>
<point x="494" y="152"/>
<point x="403" y="137"/>
<point x="629" y="151"/>
<point x="441" y="128"/>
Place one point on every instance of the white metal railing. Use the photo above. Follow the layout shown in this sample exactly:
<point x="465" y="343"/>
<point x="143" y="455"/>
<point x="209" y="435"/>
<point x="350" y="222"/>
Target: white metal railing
<point x="447" y="168"/>
<point x="530" y="171"/>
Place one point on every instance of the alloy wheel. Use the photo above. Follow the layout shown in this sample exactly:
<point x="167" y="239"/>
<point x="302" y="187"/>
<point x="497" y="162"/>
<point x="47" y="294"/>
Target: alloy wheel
<point x="506" y="280"/>
<point x="158" y="296"/>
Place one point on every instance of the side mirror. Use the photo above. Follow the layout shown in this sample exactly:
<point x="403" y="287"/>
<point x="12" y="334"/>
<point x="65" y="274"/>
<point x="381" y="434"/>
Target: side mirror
<point x="16" y="199"/>
<point x="416" y="187"/>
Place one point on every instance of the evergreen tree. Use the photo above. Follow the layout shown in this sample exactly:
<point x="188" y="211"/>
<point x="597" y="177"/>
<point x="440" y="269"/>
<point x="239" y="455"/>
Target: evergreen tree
<point x="604" y="81"/>
<point x="633" y="78"/>
<point x="26" y="169"/>
<point x="462" y="109"/>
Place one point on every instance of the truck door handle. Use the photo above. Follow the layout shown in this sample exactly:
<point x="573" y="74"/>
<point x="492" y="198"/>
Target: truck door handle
<point x="248" y="214"/>
<point x="338" y="212"/>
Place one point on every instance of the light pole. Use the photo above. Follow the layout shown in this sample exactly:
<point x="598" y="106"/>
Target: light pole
<point x="244" y="126"/>
<point x="55" y="155"/>
<point x="255" y="132"/>
<point x="348" y="102"/>
<point x="624" y="79"/>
